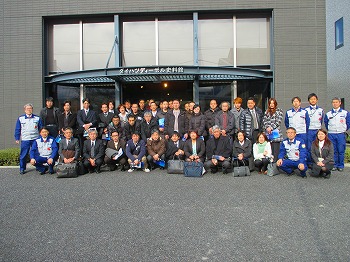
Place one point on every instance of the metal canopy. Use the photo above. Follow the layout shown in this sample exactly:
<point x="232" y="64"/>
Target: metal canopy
<point x="157" y="74"/>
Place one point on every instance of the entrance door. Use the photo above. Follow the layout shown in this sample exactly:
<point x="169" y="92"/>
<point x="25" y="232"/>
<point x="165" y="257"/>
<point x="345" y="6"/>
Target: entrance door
<point x="158" y="91"/>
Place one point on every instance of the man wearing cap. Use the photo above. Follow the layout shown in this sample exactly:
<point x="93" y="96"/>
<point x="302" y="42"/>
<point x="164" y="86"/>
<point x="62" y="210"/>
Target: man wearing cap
<point x="136" y="153"/>
<point x="49" y="117"/>
<point x="27" y="129"/>
<point x="337" y="122"/>
<point x="218" y="150"/>
<point x="293" y="154"/>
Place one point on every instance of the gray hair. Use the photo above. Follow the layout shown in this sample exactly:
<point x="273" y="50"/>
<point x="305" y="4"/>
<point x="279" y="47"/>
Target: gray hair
<point x="92" y="130"/>
<point x="216" y="127"/>
<point x="147" y="113"/>
<point x="31" y="105"/>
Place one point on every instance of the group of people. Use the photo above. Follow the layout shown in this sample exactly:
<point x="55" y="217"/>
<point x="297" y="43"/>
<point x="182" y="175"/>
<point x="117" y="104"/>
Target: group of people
<point x="140" y="136"/>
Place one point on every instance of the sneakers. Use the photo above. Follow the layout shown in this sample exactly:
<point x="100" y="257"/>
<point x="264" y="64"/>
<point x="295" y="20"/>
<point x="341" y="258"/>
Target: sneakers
<point x="146" y="170"/>
<point x="131" y="170"/>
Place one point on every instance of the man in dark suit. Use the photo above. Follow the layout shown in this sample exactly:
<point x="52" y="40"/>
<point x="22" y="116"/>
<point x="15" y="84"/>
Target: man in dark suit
<point x="218" y="151"/>
<point x="86" y="119"/>
<point x="67" y="146"/>
<point x="148" y="124"/>
<point x="67" y="118"/>
<point x="175" y="147"/>
<point x="93" y="152"/>
<point x="225" y="120"/>
<point x="104" y="119"/>
<point x="113" y="154"/>
<point x="250" y="120"/>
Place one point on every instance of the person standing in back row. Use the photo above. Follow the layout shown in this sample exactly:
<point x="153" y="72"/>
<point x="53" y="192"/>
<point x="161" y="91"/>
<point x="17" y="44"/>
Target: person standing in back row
<point x="337" y="122"/>
<point x="250" y="121"/>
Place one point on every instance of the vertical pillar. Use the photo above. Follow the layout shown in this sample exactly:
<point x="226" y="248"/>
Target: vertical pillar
<point x="195" y="57"/>
<point x="233" y="91"/>
<point x="117" y="84"/>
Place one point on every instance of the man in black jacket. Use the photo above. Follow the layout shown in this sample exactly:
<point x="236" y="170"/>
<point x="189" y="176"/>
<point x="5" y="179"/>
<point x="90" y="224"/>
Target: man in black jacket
<point x="176" y="120"/>
<point x="175" y="147"/>
<point x="49" y="117"/>
<point x="210" y="115"/>
<point x="218" y="151"/>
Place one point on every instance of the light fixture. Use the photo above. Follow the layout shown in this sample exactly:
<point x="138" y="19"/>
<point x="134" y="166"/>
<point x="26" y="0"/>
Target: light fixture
<point x="165" y="85"/>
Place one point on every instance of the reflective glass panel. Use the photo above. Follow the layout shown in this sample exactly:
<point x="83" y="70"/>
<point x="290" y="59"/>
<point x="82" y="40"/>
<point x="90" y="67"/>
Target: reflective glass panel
<point x="98" y="39"/>
<point x="99" y="94"/>
<point x="339" y="33"/>
<point x="65" y="48"/>
<point x="176" y="42"/>
<point x="139" y="43"/>
<point x="253" y="41"/>
<point x="68" y="93"/>
<point x="219" y="92"/>
<point x="215" y="42"/>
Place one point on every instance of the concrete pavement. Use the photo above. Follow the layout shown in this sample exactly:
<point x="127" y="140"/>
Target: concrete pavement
<point x="120" y="216"/>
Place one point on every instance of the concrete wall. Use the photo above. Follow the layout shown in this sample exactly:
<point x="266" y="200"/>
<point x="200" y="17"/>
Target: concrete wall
<point x="299" y="37"/>
<point x="338" y="60"/>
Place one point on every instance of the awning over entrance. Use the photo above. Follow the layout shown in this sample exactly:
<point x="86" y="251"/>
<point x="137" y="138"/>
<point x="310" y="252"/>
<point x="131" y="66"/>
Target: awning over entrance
<point x="158" y="74"/>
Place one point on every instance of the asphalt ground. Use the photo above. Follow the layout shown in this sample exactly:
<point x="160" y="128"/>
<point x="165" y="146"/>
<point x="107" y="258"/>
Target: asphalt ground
<point x="120" y="216"/>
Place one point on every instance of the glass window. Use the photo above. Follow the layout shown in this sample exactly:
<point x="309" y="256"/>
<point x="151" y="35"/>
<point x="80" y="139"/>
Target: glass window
<point x="99" y="94"/>
<point x="65" y="51"/>
<point x="176" y="42"/>
<point x="339" y="33"/>
<point x="253" y="41"/>
<point x="98" y="39"/>
<point x="71" y="93"/>
<point x="215" y="42"/>
<point x="139" y="43"/>
<point x="219" y="92"/>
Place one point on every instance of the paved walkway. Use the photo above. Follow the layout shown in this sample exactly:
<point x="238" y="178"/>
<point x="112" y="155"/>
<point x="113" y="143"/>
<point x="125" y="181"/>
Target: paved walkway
<point x="115" y="216"/>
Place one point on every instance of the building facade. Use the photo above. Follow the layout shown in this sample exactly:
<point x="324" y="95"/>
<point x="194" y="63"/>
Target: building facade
<point x="192" y="50"/>
<point x="338" y="50"/>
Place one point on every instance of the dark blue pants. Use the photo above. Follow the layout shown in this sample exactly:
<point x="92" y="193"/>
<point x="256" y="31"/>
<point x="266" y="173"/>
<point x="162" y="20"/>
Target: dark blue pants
<point x="289" y="166"/>
<point x="339" y="143"/>
<point x="40" y="161"/>
<point x="25" y="147"/>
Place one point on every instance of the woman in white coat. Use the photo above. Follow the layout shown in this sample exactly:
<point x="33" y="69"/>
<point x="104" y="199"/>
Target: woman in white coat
<point x="262" y="153"/>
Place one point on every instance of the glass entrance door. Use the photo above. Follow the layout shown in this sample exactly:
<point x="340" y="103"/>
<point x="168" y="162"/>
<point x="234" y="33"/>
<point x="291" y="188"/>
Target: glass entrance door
<point x="158" y="91"/>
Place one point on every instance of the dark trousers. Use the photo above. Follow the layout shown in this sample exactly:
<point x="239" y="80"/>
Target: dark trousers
<point x="98" y="162"/>
<point x="40" y="161"/>
<point x="226" y="166"/>
<point x="261" y="165"/>
<point x="122" y="161"/>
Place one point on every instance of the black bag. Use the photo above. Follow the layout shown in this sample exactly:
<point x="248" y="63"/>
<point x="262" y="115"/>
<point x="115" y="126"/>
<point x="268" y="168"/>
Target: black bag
<point x="67" y="170"/>
<point x="272" y="169"/>
<point x="193" y="169"/>
<point x="241" y="170"/>
<point x="175" y="166"/>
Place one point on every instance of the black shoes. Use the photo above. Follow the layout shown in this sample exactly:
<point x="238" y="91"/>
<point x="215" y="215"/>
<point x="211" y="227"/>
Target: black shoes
<point x="340" y="169"/>
<point x="21" y="172"/>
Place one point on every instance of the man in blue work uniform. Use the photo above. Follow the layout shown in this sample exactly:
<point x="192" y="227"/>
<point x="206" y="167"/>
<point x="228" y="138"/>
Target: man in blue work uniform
<point x="298" y="118"/>
<point x="27" y="129"/>
<point x="337" y="122"/>
<point x="293" y="153"/>
<point x="44" y="152"/>
<point x="316" y="118"/>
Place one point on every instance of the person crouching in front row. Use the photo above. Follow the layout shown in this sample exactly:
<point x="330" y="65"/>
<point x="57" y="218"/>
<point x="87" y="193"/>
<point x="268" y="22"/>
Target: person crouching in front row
<point x="156" y="150"/>
<point x="293" y="153"/>
<point x="93" y="152"/>
<point x="115" y="152"/>
<point x="136" y="153"/>
<point x="322" y="153"/>
<point x="218" y="152"/>
<point x="194" y="148"/>
<point x="242" y="151"/>
<point x="44" y="151"/>
<point x="69" y="149"/>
